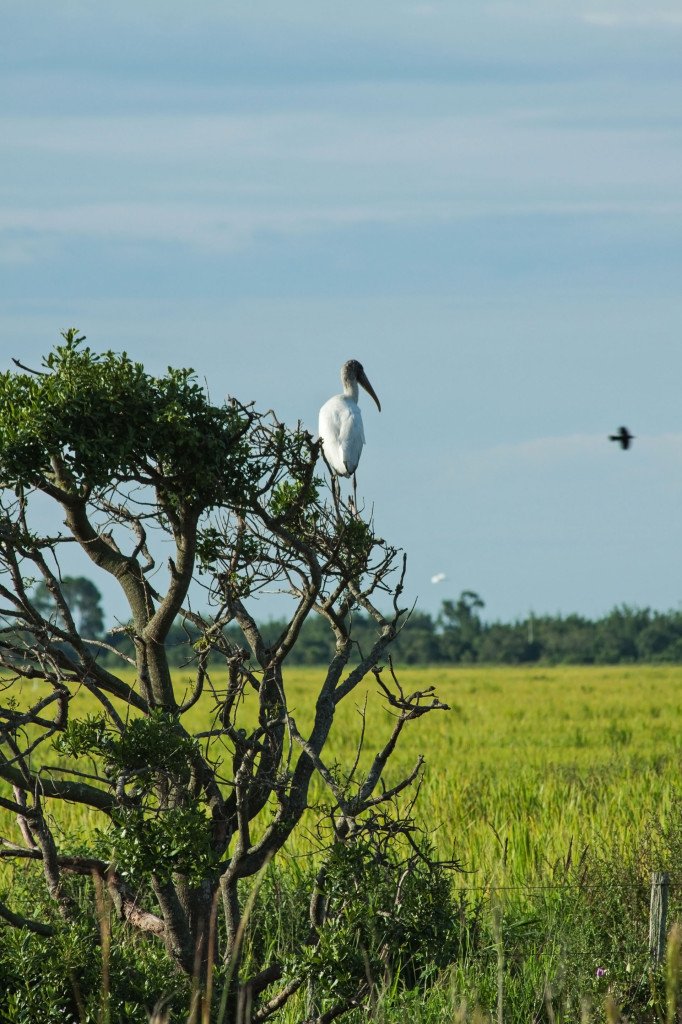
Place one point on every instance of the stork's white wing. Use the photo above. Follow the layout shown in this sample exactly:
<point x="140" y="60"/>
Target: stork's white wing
<point x="342" y="434"/>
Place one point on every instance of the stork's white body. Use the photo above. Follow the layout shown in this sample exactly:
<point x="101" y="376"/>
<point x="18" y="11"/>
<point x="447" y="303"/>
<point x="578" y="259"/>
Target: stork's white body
<point x="342" y="433"/>
<point x="341" y="430"/>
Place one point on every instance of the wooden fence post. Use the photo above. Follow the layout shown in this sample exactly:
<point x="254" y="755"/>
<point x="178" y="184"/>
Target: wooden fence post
<point x="657" y="915"/>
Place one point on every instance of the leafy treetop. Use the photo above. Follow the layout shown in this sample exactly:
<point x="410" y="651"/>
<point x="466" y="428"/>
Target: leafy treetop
<point x="98" y="418"/>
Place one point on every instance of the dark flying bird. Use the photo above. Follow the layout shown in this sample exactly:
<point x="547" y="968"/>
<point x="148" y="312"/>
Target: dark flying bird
<point x="624" y="438"/>
<point x="340" y="425"/>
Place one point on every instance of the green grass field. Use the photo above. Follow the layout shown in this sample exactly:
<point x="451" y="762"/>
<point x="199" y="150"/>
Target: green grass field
<point x="529" y="768"/>
<point x="528" y="763"/>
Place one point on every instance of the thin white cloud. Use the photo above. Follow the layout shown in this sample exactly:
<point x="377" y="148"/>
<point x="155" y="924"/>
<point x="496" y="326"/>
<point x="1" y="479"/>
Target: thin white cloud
<point x="548" y="449"/>
<point x="222" y="182"/>
<point x="554" y="450"/>
<point x="667" y="445"/>
<point x="633" y="19"/>
<point x="202" y="225"/>
<point x="423" y="10"/>
<point x="183" y="138"/>
<point x="216" y="226"/>
<point x="511" y="143"/>
<point x="20" y="251"/>
<point x="627" y="13"/>
<point x="205" y="226"/>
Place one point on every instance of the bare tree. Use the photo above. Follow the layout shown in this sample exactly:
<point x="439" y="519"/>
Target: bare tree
<point x="132" y="466"/>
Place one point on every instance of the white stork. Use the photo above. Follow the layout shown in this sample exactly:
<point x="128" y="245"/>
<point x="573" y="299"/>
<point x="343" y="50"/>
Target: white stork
<point x="340" y="427"/>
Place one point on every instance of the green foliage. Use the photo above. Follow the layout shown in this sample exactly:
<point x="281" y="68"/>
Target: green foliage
<point x="459" y="636"/>
<point x="461" y="626"/>
<point x="384" y="919"/>
<point x="150" y="746"/>
<point x="152" y="741"/>
<point x="84" y="736"/>
<point x="211" y="548"/>
<point x="279" y="922"/>
<point x="289" y="497"/>
<point x="176" y="840"/>
<point x="107" y="420"/>
<point x="44" y="979"/>
<point x="356" y="541"/>
<point x="293" y="502"/>
<point x="58" y="980"/>
<point x="144" y="838"/>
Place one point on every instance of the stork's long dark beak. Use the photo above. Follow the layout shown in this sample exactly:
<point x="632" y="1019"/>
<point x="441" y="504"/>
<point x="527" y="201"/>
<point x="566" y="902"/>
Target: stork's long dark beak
<point x="362" y="379"/>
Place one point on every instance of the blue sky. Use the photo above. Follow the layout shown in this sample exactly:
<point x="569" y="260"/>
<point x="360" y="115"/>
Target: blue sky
<point x="480" y="202"/>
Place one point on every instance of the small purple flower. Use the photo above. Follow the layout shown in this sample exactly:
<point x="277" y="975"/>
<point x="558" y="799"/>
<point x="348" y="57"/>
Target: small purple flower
<point x="601" y="971"/>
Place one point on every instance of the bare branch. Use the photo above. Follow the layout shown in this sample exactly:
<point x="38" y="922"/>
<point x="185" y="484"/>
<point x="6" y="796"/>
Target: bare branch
<point x="74" y="792"/>
<point x="277" y="1001"/>
<point x="18" y="921"/>
<point x="36" y="373"/>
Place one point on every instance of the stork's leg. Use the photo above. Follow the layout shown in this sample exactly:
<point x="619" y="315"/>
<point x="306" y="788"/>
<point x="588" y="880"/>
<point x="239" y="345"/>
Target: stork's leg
<point x="336" y="489"/>
<point x="354" y="499"/>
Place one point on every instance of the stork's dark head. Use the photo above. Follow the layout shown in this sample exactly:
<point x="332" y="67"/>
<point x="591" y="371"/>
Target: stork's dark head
<point x="352" y="374"/>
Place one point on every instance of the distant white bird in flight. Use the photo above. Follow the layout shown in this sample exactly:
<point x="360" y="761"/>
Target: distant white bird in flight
<point x="340" y="425"/>
<point x="438" y="577"/>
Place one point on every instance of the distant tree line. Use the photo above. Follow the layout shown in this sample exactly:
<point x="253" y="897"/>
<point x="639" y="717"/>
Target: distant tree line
<point x="458" y="635"/>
